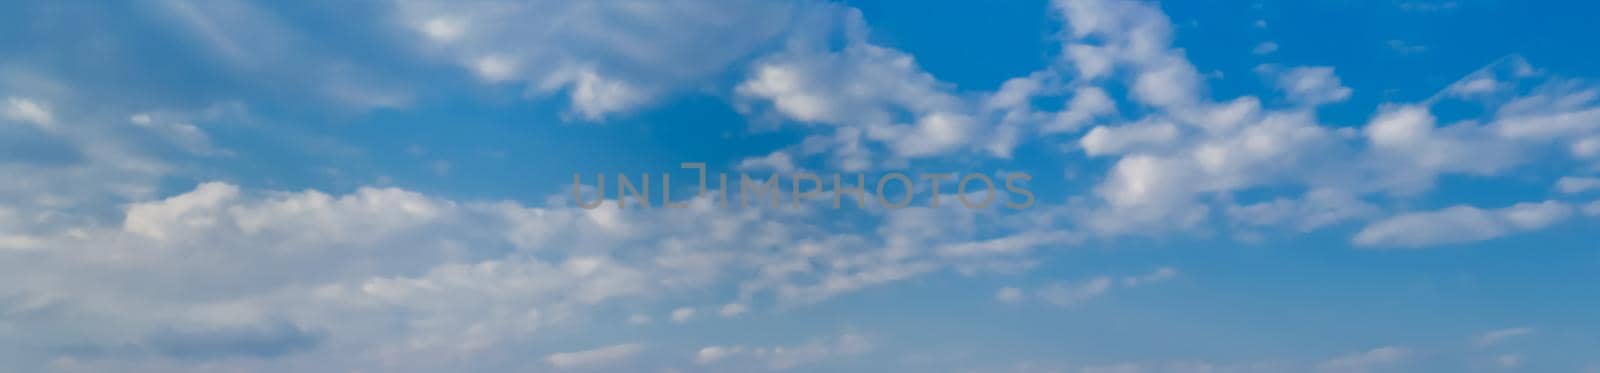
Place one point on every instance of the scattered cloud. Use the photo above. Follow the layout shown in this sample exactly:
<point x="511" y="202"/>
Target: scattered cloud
<point x="1460" y="224"/>
<point x="1009" y="295"/>
<point x="788" y="357"/>
<point x="108" y="266"/>
<point x="1073" y="293"/>
<point x="682" y="314"/>
<point x="29" y="111"/>
<point x="607" y="58"/>
<point x="732" y="309"/>
<point x="1068" y="294"/>
<point x="1404" y="48"/>
<point x="1265" y="47"/>
<point x="1577" y="185"/>
<point x="598" y="356"/>
<point x="1366" y="361"/>
<point x="1312" y="85"/>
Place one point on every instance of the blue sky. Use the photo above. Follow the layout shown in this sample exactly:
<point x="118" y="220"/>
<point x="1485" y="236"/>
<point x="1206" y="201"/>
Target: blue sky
<point x="1321" y="186"/>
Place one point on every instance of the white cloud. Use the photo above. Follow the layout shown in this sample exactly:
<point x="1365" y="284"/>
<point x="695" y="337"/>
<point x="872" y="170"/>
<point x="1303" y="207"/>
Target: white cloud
<point x="1167" y="177"/>
<point x="1103" y="140"/>
<point x="1312" y="85"/>
<point x="30" y="111"/>
<point x="598" y="356"/>
<point x="1404" y="48"/>
<point x="593" y="95"/>
<point x="732" y="309"/>
<point x="788" y="357"/>
<point x="608" y="58"/>
<point x="1366" y="361"/>
<point x="1264" y="48"/>
<point x="682" y="314"/>
<point x="258" y="44"/>
<point x="1556" y="111"/>
<point x="82" y="158"/>
<point x="858" y="85"/>
<point x="1315" y="209"/>
<point x="1588" y="147"/>
<point x="1576" y="185"/>
<point x="1509" y="360"/>
<point x="1416" y="151"/>
<point x="1011" y="245"/>
<point x="193" y="210"/>
<point x="494" y="69"/>
<point x="403" y="278"/>
<point x="1009" y="295"/>
<point x="1087" y="103"/>
<point x="779" y="162"/>
<point x="1473" y="85"/>
<point x="443" y="29"/>
<point x="862" y="90"/>
<point x="1169" y="83"/>
<point x="1496" y="336"/>
<point x="1072" y="293"/>
<point x="712" y="354"/>
<point x="1160" y="275"/>
<point x="1068" y="294"/>
<point x="1460" y="224"/>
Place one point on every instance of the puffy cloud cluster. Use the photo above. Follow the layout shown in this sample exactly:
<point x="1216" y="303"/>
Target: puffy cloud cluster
<point x="392" y="277"/>
<point x="1187" y="154"/>
<point x="1179" y="159"/>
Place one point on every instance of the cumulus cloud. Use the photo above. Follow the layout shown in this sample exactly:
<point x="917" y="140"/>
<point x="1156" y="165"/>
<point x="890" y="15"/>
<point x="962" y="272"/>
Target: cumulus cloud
<point x="1184" y="152"/>
<point x="1105" y="140"/>
<point x="1190" y="148"/>
<point x="83" y="158"/>
<point x="863" y="89"/>
<point x="1311" y="85"/>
